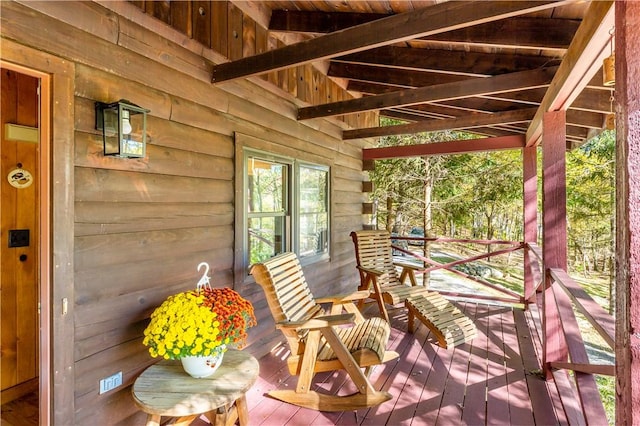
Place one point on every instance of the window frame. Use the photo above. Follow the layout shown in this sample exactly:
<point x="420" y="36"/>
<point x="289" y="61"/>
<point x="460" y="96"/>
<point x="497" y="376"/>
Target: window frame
<point x="293" y="201"/>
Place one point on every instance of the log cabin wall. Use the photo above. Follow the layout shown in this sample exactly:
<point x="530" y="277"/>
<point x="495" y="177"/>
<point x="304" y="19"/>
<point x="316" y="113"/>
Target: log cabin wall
<point x="142" y="226"/>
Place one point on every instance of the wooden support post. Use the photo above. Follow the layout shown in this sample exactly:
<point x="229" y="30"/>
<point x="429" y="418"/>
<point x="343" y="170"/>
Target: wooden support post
<point x="627" y="212"/>
<point x="554" y="231"/>
<point x="530" y="209"/>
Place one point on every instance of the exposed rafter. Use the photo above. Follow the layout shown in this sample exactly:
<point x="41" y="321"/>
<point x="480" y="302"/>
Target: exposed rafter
<point x="521" y="32"/>
<point x="446" y="61"/>
<point x="462" y="89"/>
<point x="429" y="21"/>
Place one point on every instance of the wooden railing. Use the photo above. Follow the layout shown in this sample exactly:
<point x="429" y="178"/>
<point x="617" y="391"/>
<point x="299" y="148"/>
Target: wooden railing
<point x="564" y="297"/>
<point x="584" y="389"/>
<point x="510" y="296"/>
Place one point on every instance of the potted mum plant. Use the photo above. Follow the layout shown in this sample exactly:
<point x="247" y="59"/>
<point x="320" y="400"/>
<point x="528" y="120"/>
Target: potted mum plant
<point x="197" y="326"/>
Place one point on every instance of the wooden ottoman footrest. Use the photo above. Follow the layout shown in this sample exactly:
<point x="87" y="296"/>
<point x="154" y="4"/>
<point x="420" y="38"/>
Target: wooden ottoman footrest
<point x="447" y="323"/>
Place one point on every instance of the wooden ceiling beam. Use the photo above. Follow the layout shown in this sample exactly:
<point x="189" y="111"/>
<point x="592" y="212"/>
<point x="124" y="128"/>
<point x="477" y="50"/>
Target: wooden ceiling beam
<point x="440" y="148"/>
<point x="446" y="61"/>
<point x="582" y="60"/>
<point x="521" y="32"/>
<point x="439" y="18"/>
<point x="466" y="122"/>
<point x="441" y="92"/>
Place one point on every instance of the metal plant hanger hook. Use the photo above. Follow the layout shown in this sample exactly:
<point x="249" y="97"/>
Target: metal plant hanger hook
<point x="205" y="280"/>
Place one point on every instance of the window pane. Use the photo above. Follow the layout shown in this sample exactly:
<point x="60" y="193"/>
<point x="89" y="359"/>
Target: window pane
<point x="313" y="234"/>
<point x="267" y="183"/>
<point x="314" y="217"/>
<point x="266" y="238"/>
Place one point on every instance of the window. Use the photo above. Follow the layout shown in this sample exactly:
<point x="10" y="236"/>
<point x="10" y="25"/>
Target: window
<point x="313" y="212"/>
<point x="287" y="208"/>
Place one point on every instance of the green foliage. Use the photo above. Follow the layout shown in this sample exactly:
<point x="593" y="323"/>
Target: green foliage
<point x="590" y="202"/>
<point x="472" y="194"/>
<point x="480" y="195"/>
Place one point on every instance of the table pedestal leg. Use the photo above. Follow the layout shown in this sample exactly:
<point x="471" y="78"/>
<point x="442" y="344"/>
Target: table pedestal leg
<point x="243" y="411"/>
<point x="153" y="420"/>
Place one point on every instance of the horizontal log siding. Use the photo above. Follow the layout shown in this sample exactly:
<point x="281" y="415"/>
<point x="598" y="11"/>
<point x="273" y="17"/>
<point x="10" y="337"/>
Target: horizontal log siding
<point x="141" y="226"/>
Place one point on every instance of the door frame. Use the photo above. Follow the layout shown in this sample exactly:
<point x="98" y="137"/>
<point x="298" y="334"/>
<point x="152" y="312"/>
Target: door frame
<point x="44" y="220"/>
<point x="56" y="220"/>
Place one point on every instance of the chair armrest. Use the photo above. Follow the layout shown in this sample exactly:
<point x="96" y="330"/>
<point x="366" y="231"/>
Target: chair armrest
<point x="342" y="298"/>
<point x="370" y="271"/>
<point x="318" y="322"/>
<point x="408" y="265"/>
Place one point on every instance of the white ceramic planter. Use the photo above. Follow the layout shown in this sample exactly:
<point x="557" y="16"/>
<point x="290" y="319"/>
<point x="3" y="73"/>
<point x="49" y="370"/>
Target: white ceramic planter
<point x="201" y="366"/>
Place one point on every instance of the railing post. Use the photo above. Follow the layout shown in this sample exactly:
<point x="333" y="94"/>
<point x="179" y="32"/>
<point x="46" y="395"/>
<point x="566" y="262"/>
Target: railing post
<point x="530" y="211"/>
<point x="554" y="231"/>
<point x="627" y="33"/>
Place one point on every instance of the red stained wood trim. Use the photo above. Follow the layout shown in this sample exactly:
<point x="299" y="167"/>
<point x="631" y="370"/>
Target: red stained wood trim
<point x="554" y="212"/>
<point x="600" y="319"/>
<point x="530" y="213"/>
<point x="536" y="250"/>
<point x="480" y="296"/>
<point x="432" y="20"/>
<point x="605" y="370"/>
<point x="448" y="266"/>
<point x="554" y="187"/>
<point x="466" y="122"/>
<point x="460" y="240"/>
<point x="627" y="212"/>
<point x="586" y="387"/>
<point x="453" y="147"/>
<point x="582" y="61"/>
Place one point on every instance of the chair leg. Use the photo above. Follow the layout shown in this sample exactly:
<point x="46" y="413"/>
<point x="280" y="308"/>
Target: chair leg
<point x="382" y="307"/>
<point x="307" y="370"/>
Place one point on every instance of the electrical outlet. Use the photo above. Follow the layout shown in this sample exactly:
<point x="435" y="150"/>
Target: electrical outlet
<point x="111" y="382"/>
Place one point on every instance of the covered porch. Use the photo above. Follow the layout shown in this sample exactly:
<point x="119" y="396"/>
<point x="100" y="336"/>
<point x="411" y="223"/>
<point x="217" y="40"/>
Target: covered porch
<point x="227" y="82"/>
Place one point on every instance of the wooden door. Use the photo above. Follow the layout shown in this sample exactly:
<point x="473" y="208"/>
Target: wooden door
<point x="19" y="205"/>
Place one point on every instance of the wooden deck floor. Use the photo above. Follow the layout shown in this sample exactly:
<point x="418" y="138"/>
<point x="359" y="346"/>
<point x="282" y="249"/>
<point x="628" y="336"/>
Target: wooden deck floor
<point x="492" y="380"/>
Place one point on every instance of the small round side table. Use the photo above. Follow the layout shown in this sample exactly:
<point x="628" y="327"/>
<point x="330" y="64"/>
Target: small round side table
<point x="165" y="389"/>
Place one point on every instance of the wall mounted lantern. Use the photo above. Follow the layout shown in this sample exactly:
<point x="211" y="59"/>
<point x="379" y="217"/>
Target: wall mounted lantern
<point x="124" y="128"/>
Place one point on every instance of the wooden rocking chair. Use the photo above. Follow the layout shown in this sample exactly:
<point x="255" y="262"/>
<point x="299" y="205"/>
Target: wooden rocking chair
<point x="321" y="342"/>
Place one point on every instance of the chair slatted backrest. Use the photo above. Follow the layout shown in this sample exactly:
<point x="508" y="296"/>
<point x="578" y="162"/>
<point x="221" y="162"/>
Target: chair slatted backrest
<point x="373" y="251"/>
<point x="287" y="293"/>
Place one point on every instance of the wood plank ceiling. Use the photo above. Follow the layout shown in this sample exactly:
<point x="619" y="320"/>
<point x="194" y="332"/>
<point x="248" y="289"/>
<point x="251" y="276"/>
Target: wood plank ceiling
<point x="488" y="67"/>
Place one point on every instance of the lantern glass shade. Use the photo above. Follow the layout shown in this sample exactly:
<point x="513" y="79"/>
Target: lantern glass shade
<point x="124" y="128"/>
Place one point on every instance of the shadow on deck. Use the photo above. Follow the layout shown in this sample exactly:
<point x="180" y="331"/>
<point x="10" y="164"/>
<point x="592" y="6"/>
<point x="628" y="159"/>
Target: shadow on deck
<point x="493" y="380"/>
